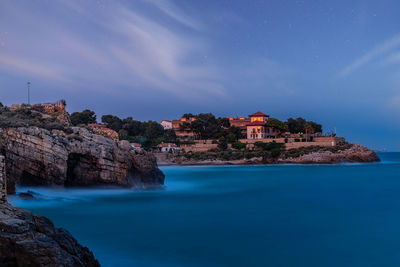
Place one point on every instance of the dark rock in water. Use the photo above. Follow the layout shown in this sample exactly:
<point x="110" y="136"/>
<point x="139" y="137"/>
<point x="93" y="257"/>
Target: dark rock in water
<point x="26" y="195"/>
<point x="31" y="240"/>
<point x="36" y="156"/>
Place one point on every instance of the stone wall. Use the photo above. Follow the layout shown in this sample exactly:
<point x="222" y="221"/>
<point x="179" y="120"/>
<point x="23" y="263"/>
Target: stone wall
<point x="3" y="190"/>
<point x="325" y="141"/>
<point x="199" y="146"/>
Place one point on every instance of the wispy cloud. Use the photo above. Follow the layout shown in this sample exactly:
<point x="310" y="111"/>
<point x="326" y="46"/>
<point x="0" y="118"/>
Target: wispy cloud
<point x="171" y="10"/>
<point x="124" y="48"/>
<point x="371" y="55"/>
<point x="393" y="58"/>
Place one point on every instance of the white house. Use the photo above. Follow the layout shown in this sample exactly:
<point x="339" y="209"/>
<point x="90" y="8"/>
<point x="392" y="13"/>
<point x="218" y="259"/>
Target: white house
<point x="166" y="124"/>
<point x="167" y="147"/>
<point x="136" y="146"/>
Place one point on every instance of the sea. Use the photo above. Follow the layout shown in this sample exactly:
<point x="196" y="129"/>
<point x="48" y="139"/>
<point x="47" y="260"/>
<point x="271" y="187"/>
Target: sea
<point x="255" y="215"/>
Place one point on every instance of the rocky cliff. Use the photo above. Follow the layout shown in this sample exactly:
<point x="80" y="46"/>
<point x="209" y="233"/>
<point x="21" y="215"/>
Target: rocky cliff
<point x="30" y="240"/>
<point x="354" y="153"/>
<point x="35" y="156"/>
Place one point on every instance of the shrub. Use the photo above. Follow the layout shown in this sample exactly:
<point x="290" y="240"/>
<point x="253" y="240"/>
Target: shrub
<point x="239" y="145"/>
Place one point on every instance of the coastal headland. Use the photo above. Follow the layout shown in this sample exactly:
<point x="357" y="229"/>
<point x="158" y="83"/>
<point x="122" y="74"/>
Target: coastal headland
<point x="43" y="144"/>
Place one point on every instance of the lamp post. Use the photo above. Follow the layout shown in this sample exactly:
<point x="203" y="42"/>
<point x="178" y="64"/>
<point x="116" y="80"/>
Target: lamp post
<point x="29" y="96"/>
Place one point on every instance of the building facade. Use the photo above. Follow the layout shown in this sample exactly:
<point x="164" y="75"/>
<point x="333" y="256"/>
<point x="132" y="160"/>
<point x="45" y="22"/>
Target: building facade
<point x="240" y="122"/>
<point x="256" y="128"/>
<point x="166" y="124"/>
<point x="181" y="132"/>
<point x="168" y="147"/>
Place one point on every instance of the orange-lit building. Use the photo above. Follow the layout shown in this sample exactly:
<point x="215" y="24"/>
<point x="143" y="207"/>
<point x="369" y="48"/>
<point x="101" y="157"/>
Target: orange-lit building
<point x="240" y="122"/>
<point x="256" y="128"/>
<point x="183" y="133"/>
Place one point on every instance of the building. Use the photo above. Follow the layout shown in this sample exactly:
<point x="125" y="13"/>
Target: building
<point x="240" y="122"/>
<point x="53" y="107"/>
<point x="168" y="147"/>
<point x="101" y="129"/>
<point x="181" y="132"/>
<point x="136" y="146"/>
<point x="48" y="108"/>
<point x="256" y="128"/>
<point x="166" y="124"/>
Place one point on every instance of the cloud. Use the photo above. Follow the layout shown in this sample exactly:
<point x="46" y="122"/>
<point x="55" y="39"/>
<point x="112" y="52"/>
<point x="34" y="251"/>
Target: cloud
<point x="393" y="58"/>
<point x="23" y="65"/>
<point x="118" y="47"/>
<point x="171" y="10"/>
<point x="371" y="55"/>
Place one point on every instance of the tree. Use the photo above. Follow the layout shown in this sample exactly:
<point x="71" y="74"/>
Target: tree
<point x="153" y="130"/>
<point x="133" y="127"/>
<point x="280" y="125"/>
<point x="112" y="122"/>
<point x="222" y="144"/>
<point x="239" y="145"/>
<point x="188" y="115"/>
<point x="170" y="136"/>
<point x="85" y="117"/>
<point x="123" y="134"/>
<point x="313" y="127"/>
<point x="296" y="125"/>
<point x="233" y="134"/>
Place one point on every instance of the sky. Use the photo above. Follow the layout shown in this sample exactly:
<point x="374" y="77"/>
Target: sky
<point x="333" y="62"/>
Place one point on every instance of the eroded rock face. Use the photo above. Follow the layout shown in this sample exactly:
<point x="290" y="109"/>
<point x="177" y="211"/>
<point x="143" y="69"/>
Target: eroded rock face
<point x="30" y="240"/>
<point x="37" y="156"/>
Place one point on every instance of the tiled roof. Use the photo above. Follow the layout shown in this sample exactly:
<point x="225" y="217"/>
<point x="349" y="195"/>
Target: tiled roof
<point x="167" y="145"/>
<point x="258" y="113"/>
<point x="256" y="123"/>
<point x="136" y="145"/>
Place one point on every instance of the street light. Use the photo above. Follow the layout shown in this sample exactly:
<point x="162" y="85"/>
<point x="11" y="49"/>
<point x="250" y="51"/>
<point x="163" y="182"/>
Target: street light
<point x="29" y="97"/>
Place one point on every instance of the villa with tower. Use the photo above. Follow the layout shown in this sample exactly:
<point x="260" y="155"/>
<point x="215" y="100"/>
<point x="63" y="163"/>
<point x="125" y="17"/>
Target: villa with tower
<point x="257" y="129"/>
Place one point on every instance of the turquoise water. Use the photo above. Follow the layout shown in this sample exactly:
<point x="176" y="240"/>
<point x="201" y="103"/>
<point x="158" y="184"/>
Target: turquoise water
<point x="281" y="215"/>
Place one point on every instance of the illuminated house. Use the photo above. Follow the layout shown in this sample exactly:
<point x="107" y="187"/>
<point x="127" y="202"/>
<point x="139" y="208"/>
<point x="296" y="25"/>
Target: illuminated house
<point x="256" y="128"/>
<point x="183" y="133"/>
<point x="166" y="124"/>
<point x="240" y="122"/>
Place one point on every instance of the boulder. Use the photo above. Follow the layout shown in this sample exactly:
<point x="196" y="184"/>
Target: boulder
<point x="30" y="240"/>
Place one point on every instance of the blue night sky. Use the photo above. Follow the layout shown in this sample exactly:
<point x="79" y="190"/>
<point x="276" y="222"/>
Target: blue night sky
<point x="334" y="62"/>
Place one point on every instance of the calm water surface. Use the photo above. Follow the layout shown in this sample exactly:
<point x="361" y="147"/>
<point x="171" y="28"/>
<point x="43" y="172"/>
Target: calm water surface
<point x="292" y="215"/>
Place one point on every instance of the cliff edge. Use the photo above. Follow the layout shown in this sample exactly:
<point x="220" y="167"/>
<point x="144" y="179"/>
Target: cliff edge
<point x="36" y="156"/>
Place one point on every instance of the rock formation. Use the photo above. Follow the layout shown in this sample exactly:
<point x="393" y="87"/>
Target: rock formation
<point x="30" y="240"/>
<point x="355" y="153"/>
<point x="35" y="156"/>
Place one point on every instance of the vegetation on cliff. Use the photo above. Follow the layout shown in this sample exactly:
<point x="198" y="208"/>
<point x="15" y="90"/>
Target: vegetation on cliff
<point x="298" y="152"/>
<point x="267" y="151"/>
<point x="31" y="116"/>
